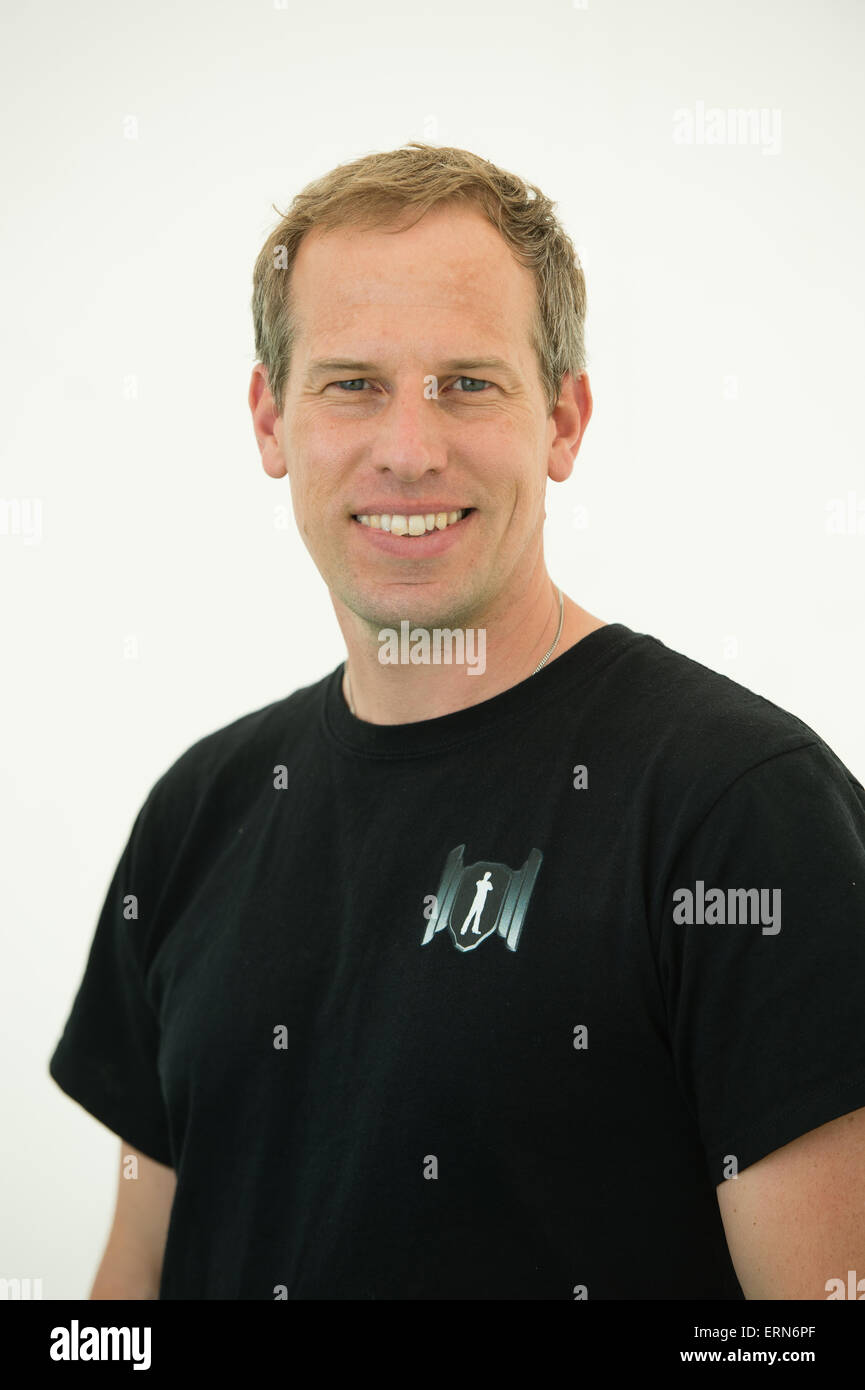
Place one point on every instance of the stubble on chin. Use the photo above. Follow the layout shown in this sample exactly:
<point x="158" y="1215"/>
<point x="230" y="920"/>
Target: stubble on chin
<point x="425" y="611"/>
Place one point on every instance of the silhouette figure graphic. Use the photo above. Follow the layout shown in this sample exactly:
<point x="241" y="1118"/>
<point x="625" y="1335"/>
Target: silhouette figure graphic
<point x="483" y="886"/>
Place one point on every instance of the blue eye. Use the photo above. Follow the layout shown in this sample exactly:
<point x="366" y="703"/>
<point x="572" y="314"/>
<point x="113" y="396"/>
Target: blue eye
<point x="477" y="381"/>
<point x="353" y="382"/>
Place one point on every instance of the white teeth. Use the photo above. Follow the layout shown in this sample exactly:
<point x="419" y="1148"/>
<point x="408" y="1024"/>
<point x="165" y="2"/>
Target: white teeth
<point x="417" y="524"/>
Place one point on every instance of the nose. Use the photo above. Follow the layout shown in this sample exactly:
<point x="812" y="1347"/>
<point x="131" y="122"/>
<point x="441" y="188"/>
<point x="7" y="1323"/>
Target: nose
<point x="407" y="439"/>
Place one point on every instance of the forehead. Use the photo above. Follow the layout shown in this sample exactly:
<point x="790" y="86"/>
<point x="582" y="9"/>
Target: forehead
<point x="451" y="269"/>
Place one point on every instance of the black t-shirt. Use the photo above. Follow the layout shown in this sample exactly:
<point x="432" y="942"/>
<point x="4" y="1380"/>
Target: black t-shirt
<point x="480" y="1007"/>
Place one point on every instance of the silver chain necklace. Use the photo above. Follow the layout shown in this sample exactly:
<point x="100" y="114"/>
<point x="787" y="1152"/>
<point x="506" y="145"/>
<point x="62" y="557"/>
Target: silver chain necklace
<point x="557" y="636"/>
<point x="541" y="663"/>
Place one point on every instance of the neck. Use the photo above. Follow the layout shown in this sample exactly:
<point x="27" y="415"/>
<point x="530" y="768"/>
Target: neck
<point x="504" y="647"/>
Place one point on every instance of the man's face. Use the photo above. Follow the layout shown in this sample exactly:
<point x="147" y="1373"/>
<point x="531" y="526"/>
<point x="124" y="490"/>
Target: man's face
<point x="379" y="437"/>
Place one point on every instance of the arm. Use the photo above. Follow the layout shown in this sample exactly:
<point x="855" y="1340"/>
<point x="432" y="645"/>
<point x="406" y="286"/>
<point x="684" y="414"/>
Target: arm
<point x="132" y="1262"/>
<point x="796" y="1219"/>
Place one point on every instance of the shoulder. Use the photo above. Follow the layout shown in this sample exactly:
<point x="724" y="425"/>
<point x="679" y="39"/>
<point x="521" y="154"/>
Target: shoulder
<point x="232" y="762"/>
<point x="678" y="703"/>
<point x="692" y="733"/>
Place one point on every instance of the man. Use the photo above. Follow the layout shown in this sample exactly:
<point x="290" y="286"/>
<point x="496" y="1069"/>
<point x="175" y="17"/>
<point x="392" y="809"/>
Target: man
<point x="643" y="1075"/>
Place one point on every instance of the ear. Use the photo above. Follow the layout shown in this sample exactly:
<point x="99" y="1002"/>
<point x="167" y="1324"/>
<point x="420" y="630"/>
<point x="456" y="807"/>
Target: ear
<point x="264" y="422"/>
<point x="570" y="417"/>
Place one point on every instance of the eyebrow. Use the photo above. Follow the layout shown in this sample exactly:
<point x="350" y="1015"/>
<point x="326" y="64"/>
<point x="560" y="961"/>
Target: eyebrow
<point x="453" y="364"/>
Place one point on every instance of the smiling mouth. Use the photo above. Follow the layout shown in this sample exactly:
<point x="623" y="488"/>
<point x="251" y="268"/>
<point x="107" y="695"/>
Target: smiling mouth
<point x="414" y="523"/>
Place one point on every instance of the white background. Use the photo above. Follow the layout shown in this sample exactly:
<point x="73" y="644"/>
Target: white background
<point x="143" y="147"/>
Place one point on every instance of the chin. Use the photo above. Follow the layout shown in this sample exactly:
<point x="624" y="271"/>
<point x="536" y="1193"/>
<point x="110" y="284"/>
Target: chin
<point x="423" y="605"/>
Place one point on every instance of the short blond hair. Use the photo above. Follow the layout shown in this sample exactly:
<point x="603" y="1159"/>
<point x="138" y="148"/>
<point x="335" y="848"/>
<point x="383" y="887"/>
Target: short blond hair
<point x="376" y="191"/>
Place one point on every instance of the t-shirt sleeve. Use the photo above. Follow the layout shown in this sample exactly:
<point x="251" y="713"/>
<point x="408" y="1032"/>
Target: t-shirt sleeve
<point x="765" y="991"/>
<point x="107" y="1058"/>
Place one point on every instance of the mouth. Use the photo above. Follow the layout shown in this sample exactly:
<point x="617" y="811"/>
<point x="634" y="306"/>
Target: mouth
<point x="412" y="523"/>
